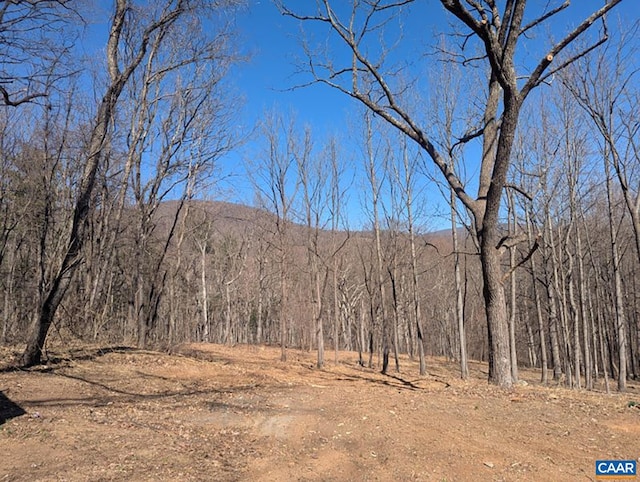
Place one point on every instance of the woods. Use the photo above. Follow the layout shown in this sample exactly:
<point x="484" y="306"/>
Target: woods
<point x="494" y="175"/>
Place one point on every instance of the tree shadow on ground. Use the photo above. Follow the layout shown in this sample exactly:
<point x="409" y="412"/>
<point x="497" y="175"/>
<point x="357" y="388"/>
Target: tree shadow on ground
<point x="358" y="372"/>
<point x="391" y="381"/>
<point x="9" y="409"/>
<point x="53" y="359"/>
<point x="104" y="394"/>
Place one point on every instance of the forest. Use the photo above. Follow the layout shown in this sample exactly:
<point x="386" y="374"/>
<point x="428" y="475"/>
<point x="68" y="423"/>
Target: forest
<point x="520" y="134"/>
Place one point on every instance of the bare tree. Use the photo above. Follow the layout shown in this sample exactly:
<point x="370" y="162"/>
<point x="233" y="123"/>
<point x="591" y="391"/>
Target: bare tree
<point x="407" y="185"/>
<point x="339" y="240"/>
<point x="604" y="87"/>
<point x="36" y="38"/>
<point x="178" y="120"/>
<point x="274" y="178"/>
<point x="131" y="36"/>
<point x="372" y="153"/>
<point x="313" y="182"/>
<point x="498" y="32"/>
<point x="619" y="313"/>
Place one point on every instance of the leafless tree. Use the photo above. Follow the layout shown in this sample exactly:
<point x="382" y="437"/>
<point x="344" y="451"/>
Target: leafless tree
<point x="313" y="183"/>
<point x="274" y="178"/>
<point x="498" y="32"/>
<point x="36" y="37"/>
<point x="132" y="34"/>
<point x="405" y="177"/>
<point x="373" y="151"/>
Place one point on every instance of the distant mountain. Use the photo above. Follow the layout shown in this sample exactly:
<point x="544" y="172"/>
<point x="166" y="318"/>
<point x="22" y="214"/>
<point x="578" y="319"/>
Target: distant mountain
<point x="242" y="220"/>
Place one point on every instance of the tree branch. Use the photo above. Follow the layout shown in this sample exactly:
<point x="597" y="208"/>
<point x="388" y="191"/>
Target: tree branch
<point x="533" y="249"/>
<point x="519" y="190"/>
<point x="6" y="97"/>
<point x="544" y="17"/>
<point x="510" y="241"/>
<point x="535" y="77"/>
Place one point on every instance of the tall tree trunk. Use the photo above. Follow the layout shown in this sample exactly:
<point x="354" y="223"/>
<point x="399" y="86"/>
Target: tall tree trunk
<point x="603" y="355"/>
<point x="46" y="310"/>
<point x="204" y="293"/>
<point x="416" y="303"/>
<point x="464" y="367"/>
<point x="491" y="245"/>
<point x="585" y="313"/>
<point x="283" y="313"/>
<point x="531" y="346"/>
<point x="496" y="311"/>
<point x="375" y="193"/>
<point x="544" y="378"/>
<point x="573" y="311"/>
<point x="513" y="223"/>
<point x="336" y="310"/>
<point x="228" y="315"/>
<point x="319" y="321"/>
<point x="621" y="324"/>
<point x="261" y="291"/>
<point x="554" y="336"/>
<point x="396" y="310"/>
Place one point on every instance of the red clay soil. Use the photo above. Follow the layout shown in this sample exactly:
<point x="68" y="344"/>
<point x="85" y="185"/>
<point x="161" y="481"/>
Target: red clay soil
<point x="214" y="413"/>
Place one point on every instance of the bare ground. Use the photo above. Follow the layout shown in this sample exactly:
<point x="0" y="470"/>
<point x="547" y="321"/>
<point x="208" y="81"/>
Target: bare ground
<point x="213" y="413"/>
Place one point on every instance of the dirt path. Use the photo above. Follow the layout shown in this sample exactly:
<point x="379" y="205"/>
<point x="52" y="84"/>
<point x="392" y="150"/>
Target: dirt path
<point x="217" y="413"/>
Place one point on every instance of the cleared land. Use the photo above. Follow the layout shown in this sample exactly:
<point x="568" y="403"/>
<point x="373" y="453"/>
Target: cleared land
<point x="209" y="412"/>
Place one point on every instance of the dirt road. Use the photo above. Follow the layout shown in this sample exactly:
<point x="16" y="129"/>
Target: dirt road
<point x="212" y="413"/>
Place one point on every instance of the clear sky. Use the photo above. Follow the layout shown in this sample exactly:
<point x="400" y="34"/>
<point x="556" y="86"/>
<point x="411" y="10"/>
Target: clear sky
<point x="274" y="44"/>
<point x="267" y="82"/>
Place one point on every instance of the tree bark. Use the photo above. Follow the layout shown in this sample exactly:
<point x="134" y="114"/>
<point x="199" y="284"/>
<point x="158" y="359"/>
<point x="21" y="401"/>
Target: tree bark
<point x="621" y="324"/>
<point x="118" y="78"/>
<point x="464" y="366"/>
<point x="46" y="311"/>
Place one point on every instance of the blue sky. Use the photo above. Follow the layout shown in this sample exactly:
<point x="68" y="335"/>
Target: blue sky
<point x="266" y="83"/>
<point x="273" y="41"/>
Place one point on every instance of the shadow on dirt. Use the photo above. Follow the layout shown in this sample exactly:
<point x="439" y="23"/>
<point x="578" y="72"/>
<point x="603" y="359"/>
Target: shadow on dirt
<point x="113" y="393"/>
<point x="391" y="381"/>
<point x="9" y="409"/>
<point x="90" y="354"/>
<point x="54" y="360"/>
<point x="104" y="394"/>
<point x="358" y="373"/>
